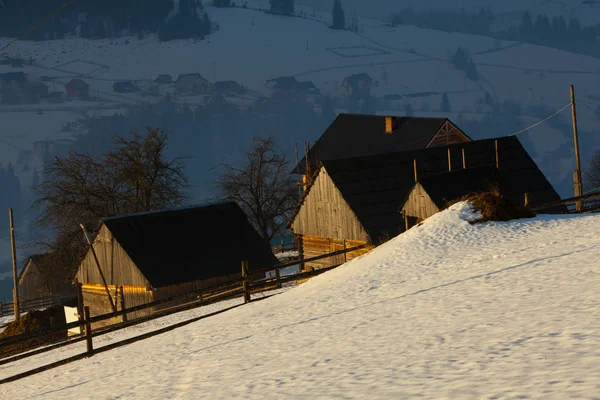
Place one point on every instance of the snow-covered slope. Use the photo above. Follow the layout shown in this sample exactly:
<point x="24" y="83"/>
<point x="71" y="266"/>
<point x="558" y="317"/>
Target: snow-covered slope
<point x="405" y="60"/>
<point x="447" y="310"/>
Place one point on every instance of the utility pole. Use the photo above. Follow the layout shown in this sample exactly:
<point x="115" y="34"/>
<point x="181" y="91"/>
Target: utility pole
<point x="14" y="262"/>
<point x="578" y="186"/>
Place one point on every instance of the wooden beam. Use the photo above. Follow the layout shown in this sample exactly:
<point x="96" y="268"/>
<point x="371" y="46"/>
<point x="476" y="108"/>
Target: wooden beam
<point x="449" y="161"/>
<point x="497" y="155"/>
<point x="14" y="265"/>
<point x="415" y="169"/>
<point x="464" y="160"/>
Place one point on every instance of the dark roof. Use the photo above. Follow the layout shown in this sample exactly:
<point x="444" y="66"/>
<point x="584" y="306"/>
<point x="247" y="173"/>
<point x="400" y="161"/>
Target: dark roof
<point x="357" y="135"/>
<point x="283" y="80"/>
<point x="188" y="244"/>
<point x="449" y="186"/>
<point x="363" y="76"/>
<point x="375" y="187"/>
<point x="227" y="85"/>
<point x="192" y="75"/>
<point x="307" y="86"/>
<point x="18" y="77"/>
<point x="78" y="83"/>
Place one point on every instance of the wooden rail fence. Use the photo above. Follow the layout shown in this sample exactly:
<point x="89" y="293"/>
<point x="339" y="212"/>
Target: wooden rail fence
<point x="36" y="304"/>
<point x="243" y="287"/>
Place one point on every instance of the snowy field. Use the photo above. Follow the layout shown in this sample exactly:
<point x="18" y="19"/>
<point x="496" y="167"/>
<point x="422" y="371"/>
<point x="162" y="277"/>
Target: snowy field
<point x="448" y="310"/>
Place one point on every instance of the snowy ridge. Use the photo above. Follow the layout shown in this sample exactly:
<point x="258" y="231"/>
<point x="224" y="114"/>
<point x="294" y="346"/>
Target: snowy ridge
<point x="447" y="310"/>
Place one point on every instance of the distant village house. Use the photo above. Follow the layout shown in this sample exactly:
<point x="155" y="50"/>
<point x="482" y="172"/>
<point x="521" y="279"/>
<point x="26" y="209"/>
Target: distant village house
<point x="357" y="85"/>
<point x="77" y="88"/>
<point x="124" y="87"/>
<point x="191" y="84"/>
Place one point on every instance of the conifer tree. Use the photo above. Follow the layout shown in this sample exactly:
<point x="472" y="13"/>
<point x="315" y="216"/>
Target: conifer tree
<point x="338" y="16"/>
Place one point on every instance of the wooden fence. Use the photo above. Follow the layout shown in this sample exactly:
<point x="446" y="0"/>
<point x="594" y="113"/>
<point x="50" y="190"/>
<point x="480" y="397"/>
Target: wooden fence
<point x="36" y="304"/>
<point x="243" y="287"/>
<point x="590" y="202"/>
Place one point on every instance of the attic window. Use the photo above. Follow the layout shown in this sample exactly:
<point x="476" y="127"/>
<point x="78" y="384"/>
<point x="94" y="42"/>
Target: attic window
<point x="388" y="125"/>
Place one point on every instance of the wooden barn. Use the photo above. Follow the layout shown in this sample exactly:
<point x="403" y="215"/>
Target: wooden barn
<point x="39" y="278"/>
<point x="358" y="200"/>
<point x="160" y="254"/>
<point x="432" y="194"/>
<point x="357" y="85"/>
<point x="354" y="135"/>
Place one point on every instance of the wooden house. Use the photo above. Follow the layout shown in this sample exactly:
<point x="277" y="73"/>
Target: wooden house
<point x="160" y="254"/>
<point x="40" y="278"/>
<point x="191" y="84"/>
<point x="355" y="135"/>
<point x="77" y="88"/>
<point x="357" y="85"/>
<point x="432" y="194"/>
<point x="285" y="83"/>
<point x="225" y="87"/>
<point x="124" y="87"/>
<point x="358" y="200"/>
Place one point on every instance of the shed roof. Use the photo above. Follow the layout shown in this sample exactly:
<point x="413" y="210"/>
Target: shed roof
<point x="44" y="264"/>
<point x="193" y="243"/>
<point x="375" y="187"/>
<point x="78" y="83"/>
<point x="363" y="76"/>
<point x="357" y="135"/>
<point x="449" y="186"/>
<point x="186" y="78"/>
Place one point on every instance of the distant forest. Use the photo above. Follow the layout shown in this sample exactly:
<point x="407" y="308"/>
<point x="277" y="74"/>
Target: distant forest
<point x="104" y="19"/>
<point x="556" y="32"/>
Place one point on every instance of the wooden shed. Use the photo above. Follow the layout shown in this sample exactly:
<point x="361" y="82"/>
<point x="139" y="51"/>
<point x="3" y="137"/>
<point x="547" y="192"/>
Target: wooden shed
<point x="160" y="254"/>
<point x="432" y="193"/>
<point x="358" y="200"/>
<point x="41" y="278"/>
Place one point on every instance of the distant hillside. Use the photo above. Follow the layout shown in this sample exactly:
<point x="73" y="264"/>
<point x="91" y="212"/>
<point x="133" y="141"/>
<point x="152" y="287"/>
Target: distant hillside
<point x="494" y="87"/>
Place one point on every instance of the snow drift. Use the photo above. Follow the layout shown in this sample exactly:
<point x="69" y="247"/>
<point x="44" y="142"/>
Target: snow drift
<point x="446" y="310"/>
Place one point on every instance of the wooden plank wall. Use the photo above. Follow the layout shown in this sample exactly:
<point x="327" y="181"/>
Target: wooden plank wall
<point x="174" y="290"/>
<point x="326" y="214"/>
<point x="419" y="204"/>
<point x="29" y="285"/>
<point x="116" y="265"/>
<point x="95" y="297"/>
<point x="315" y="246"/>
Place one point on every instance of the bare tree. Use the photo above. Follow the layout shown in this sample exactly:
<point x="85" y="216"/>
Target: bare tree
<point x="262" y="186"/>
<point x="82" y="188"/>
<point x="592" y="174"/>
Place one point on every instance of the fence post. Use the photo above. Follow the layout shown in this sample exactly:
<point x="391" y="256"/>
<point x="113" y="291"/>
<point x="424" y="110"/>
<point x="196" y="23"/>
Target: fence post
<point x="78" y="288"/>
<point x="88" y="332"/>
<point x="1" y="310"/>
<point x="122" y="302"/>
<point x="526" y="202"/>
<point x="245" y="285"/>
<point x="278" y="274"/>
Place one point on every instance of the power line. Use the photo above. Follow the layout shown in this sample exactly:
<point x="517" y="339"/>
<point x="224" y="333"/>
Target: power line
<point x="34" y="27"/>
<point x="590" y="108"/>
<point x="542" y="121"/>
